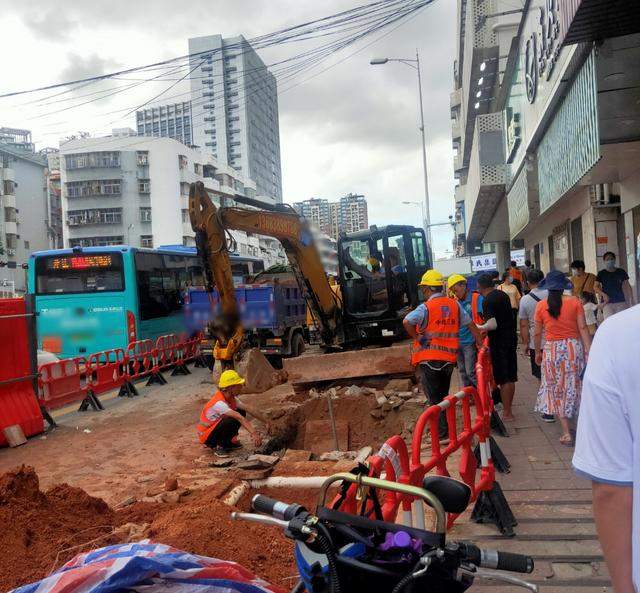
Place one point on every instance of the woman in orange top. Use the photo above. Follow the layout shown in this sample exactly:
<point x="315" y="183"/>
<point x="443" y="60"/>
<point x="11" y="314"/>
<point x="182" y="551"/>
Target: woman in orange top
<point x="566" y="347"/>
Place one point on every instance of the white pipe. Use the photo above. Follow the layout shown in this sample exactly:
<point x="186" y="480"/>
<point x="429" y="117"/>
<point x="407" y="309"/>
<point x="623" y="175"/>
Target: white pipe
<point x="236" y="493"/>
<point x="291" y="482"/>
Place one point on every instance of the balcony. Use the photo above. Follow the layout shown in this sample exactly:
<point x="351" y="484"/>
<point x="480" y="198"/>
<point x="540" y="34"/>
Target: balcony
<point x="11" y="228"/>
<point x="456" y="132"/>
<point x="7" y="174"/>
<point x="486" y="179"/>
<point x="9" y="201"/>
<point x="455" y="99"/>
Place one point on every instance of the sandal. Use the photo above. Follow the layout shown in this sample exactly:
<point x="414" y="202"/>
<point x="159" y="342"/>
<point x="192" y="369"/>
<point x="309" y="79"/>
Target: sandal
<point x="566" y="439"/>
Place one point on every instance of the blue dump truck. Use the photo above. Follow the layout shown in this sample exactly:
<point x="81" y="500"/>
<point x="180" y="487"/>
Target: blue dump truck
<point x="273" y="312"/>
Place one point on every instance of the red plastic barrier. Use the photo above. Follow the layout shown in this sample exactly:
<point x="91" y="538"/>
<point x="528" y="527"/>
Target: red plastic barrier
<point x="18" y="401"/>
<point x="140" y="356"/>
<point x="106" y="370"/>
<point x="167" y="347"/>
<point x="63" y="382"/>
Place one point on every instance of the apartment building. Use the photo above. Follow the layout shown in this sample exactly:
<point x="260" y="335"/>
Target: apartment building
<point x="24" y="208"/>
<point x="347" y="215"/>
<point x="134" y="190"/>
<point x="234" y="109"/>
<point x="547" y="155"/>
<point x="166" y="121"/>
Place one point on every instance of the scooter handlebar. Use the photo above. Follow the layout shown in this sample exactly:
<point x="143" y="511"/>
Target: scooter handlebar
<point x="275" y="508"/>
<point x="499" y="560"/>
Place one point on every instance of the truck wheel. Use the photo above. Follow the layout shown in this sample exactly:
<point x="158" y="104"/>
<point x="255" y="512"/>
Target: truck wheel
<point x="297" y="345"/>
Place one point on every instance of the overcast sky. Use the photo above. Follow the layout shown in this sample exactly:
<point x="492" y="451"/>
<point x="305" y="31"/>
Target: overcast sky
<point x="352" y="128"/>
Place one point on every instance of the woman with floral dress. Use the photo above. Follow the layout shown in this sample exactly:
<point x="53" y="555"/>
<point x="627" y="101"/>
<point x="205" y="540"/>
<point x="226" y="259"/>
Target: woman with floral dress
<point x="566" y="347"/>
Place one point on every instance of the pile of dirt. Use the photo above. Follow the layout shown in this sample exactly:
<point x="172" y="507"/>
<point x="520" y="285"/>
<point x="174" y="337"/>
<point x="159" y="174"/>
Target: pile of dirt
<point x="42" y="530"/>
<point x="39" y="527"/>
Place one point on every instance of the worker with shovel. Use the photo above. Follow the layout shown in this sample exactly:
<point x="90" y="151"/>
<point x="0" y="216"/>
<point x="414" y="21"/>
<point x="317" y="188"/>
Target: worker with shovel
<point x="222" y="416"/>
<point x="434" y="327"/>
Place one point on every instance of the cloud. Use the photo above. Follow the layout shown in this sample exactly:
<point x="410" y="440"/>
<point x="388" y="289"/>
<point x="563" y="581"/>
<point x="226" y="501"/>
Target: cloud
<point x="79" y="66"/>
<point x="50" y="25"/>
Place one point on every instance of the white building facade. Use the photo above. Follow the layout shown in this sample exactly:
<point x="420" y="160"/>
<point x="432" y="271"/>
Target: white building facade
<point x="134" y="190"/>
<point x="166" y="121"/>
<point x="234" y="109"/>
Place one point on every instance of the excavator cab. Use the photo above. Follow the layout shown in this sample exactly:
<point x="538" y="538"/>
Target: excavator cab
<point x="379" y="273"/>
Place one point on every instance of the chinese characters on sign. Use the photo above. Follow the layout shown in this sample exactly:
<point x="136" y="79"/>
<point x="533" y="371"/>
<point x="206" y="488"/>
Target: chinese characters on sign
<point x="487" y="261"/>
<point x="542" y="49"/>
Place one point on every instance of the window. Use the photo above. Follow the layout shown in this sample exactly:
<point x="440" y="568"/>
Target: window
<point x="146" y="240"/>
<point x="26" y="244"/>
<point x="144" y="186"/>
<point x="197" y="168"/>
<point x="185" y="215"/>
<point x="94" y="216"/>
<point x="96" y="241"/>
<point x="145" y="214"/>
<point x="66" y="275"/>
<point x="182" y="161"/>
<point x="105" y="187"/>
<point x="105" y="159"/>
<point x="162" y="280"/>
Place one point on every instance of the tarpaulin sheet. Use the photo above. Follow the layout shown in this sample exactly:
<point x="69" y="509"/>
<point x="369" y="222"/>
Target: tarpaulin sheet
<point x="148" y="567"/>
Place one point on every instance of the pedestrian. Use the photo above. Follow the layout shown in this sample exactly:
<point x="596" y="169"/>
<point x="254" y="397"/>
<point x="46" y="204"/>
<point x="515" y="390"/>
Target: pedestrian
<point x="566" y="347"/>
<point x="517" y="277"/>
<point x="503" y="340"/>
<point x="607" y="444"/>
<point x="512" y="292"/>
<point x="526" y="313"/>
<point x="434" y="327"/>
<point x="581" y="280"/>
<point x="222" y="416"/>
<point x="590" y="306"/>
<point x="471" y="302"/>
<point x="614" y="282"/>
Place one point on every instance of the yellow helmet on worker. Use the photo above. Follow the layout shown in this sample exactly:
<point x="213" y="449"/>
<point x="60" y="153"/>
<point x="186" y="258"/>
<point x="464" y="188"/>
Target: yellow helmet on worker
<point x="230" y="378"/>
<point x="454" y="279"/>
<point x="432" y="278"/>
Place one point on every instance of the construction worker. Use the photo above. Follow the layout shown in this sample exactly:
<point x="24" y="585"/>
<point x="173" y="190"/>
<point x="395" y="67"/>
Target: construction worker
<point x="222" y="416"/>
<point x="471" y="302"/>
<point x="434" y="327"/>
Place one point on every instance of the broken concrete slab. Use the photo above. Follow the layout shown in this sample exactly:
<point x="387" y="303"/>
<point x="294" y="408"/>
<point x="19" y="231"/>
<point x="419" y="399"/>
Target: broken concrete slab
<point x="399" y="385"/>
<point x="222" y="463"/>
<point x="394" y="360"/>
<point x="363" y="454"/>
<point x="266" y="459"/>
<point x="354" y="391"/>
<point x="258" y="373"/>
<point x="294" y="455"/>
<point x="381" y="399"/>
<point x="378" y="413"/>
<point x="336" y="455"/>
<point x="255" y="474"/>
<point x="318" y="436"/>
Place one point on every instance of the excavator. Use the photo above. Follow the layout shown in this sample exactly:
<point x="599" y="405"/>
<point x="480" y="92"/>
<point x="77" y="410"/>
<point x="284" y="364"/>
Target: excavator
<point x="379" y="271"/>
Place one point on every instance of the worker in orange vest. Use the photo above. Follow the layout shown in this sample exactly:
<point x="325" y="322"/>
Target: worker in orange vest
<point x="471" y="302"/>
<point x="222" y="416"/>
<point x="434" y="327"/>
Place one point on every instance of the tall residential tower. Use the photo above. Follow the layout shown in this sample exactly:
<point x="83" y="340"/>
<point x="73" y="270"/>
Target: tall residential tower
<point x="234" y="109"/>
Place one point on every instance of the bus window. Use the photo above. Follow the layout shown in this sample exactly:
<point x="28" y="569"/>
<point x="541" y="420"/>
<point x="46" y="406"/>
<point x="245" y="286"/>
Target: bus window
<point x="151" y="293"/>
<point x="74" y="274"/>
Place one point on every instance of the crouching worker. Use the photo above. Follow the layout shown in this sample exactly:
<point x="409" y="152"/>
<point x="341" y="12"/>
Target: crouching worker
<point x="222" y="416"/>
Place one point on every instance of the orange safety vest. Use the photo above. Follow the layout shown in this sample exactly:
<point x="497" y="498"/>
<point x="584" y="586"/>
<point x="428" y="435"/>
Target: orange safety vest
<point x="206" y="426"/>
<point x="442" y="329"/>
<point x="476" y="317"/>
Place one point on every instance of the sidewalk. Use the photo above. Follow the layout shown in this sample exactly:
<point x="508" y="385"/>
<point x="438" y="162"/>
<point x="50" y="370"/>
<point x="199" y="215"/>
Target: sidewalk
<point x="551" y="504"/>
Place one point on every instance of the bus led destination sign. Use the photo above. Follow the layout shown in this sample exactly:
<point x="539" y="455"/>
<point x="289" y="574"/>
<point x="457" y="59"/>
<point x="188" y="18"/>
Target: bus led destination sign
<point x="82" y="262"/>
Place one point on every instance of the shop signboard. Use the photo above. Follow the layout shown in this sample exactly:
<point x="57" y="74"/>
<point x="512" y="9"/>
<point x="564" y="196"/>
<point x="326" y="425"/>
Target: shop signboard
<point x="571" y="144"/>
<point x="538" y="72"/>
<point x="518" y="203"/>
<point x="487" y="261"/>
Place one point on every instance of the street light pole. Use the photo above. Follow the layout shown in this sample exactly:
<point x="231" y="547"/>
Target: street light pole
<point x="427" y="214"/>
<point x="415" y="64"/>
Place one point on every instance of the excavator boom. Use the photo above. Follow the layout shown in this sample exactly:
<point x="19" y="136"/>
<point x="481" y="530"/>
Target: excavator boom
<point x="211" y="225"/>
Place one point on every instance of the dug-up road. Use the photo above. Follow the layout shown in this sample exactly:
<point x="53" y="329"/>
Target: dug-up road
<point x="120" y="451"/>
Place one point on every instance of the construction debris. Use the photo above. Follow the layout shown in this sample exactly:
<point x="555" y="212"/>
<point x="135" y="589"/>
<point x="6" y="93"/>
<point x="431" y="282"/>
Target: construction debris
<point x="171" y="484"/>
<point x="258" y="373"/>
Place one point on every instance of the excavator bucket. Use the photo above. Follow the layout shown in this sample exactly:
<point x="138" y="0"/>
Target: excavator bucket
<point x="315" y="368"/>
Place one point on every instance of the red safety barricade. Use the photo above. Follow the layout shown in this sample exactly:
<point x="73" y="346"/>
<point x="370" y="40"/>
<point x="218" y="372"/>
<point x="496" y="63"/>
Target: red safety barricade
<point x="463" y="441"/>
<point x="393" y="460"/>
<point x="106" y="370"/>
<point x="167" y="347"/>
<point x="63" y="382"/>
<point x="18" y="401"/>
<point x="140" y="359"/>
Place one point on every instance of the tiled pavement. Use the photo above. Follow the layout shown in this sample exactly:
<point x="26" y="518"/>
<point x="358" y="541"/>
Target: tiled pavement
<point x="551" y="504"/>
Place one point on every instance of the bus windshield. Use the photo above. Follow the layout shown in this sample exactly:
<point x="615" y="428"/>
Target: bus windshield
<point x="82" y="273"/>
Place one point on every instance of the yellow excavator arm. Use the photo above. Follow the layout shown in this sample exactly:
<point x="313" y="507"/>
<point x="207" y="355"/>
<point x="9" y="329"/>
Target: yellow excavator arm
<point x="211" y="226"/>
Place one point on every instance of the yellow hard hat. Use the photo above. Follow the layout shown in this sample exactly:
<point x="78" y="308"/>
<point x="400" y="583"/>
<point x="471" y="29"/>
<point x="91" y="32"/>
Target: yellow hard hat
<point x="454" y="279"/>
<point x="432" y="278"/>
<point x="229" y="378"/>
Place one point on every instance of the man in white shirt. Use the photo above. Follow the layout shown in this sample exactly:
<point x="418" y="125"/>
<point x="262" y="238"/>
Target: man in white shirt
<point x="608" y="444"/>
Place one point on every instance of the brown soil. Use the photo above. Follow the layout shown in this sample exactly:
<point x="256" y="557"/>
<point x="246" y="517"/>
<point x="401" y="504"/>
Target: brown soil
<point x="40" y="528"/>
